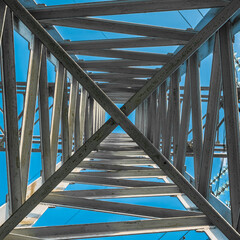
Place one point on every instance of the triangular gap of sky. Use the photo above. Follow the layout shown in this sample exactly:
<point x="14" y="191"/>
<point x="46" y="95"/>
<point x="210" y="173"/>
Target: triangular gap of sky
<point x="61" y="216"/>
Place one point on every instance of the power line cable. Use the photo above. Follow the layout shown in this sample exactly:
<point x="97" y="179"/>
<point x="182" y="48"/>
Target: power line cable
<point x="185" y="19"/>
<point x="200" y="12"/>
<point x="104" y="34"/>
<point x="74" y="215"/>
<point x="218" y="182"/>
<point x="183" y="237"/>
<point x="162" y="236"/>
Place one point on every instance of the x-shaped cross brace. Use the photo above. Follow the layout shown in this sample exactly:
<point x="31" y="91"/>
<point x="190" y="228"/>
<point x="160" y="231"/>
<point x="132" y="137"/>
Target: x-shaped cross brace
<point x="119" y="117"/>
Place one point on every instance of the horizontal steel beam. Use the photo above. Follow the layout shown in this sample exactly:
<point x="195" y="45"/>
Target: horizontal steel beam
<point x="122" y="27"/>
<point x="124" y="54"/>
<point x="116" y="207"/>
<point x="144" y="72"/>
<point x="13" y="236"/>
<point x="121" y="7"/>
<point x="125" y="174"/>
<point x="165" y="190"/>
<point x="100" y="166"/>
<point x="121" y="43"/>
<point x="115" y="63"/>
<point x="72" y="177"/>
<point x="116" y="228"/>
<point x="115" y="76"/>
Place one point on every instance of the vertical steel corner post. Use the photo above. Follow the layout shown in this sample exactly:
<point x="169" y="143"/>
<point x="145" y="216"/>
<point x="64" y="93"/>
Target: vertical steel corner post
<point x="211" y="121"/>
<point x="25" y="146"/>
<point x="184" y="126"/>
<point x="231" y="116"/>
<point x="176" y="113"/>
<point x="3" y="11"/>
<point x="44" y="118"/>
<point x="10" y="116"/>
<point x="72" y="111"/>
<point x="65" y="122"/>
<point x="196" y="114"/>
<point x="57" y="111"/>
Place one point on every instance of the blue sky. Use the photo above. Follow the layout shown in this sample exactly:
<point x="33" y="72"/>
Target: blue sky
<point x="59" y="216"/>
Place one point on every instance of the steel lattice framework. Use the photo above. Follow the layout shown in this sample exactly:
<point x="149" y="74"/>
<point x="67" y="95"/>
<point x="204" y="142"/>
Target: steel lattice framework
<point x="156" y="146"/>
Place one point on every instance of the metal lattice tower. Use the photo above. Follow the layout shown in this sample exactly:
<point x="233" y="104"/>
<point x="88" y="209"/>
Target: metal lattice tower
<point x="156" y="146"/>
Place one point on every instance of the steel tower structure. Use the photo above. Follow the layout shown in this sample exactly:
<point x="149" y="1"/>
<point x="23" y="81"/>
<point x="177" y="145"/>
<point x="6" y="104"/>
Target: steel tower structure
<point x="155" y="146"/>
